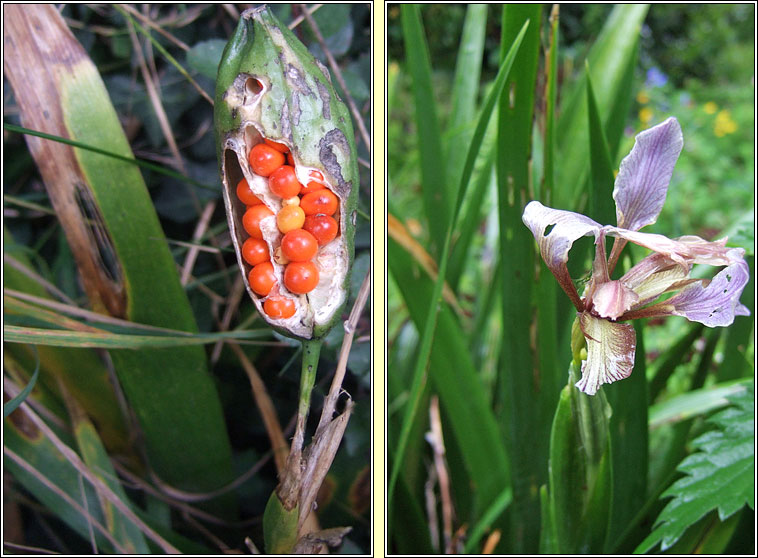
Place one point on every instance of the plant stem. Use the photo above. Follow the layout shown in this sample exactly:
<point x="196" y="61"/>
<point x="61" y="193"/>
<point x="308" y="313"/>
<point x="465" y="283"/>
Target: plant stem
<point x="311" y="352"/>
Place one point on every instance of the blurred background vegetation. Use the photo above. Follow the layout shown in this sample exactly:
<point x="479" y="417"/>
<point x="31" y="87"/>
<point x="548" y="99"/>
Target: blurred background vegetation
<point x="195" y="36"/>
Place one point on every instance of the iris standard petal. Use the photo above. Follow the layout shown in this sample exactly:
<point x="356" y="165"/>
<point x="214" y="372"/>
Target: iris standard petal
<point x="718" y="302"/>
<point x="645" y="173"/>
<point x="567" y="227"/>
<point x="610" y="352"/>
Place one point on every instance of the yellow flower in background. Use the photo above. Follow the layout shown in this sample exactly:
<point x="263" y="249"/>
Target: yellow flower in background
<point x="724" y="124"/>
<point x="646" y="115"/>
<point x="642" y="97"/>
<point x="710" y="107"/>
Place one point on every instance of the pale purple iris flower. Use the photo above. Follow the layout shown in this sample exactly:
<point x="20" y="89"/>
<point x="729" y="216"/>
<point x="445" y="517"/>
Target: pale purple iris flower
<point x="604" y="306"/>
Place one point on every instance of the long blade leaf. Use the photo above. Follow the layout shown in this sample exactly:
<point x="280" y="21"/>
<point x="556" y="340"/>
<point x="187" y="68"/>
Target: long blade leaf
<point x="430" y="322"/>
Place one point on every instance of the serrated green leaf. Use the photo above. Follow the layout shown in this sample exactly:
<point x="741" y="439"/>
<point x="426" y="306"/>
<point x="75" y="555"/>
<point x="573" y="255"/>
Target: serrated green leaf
<point x="719" y="476"/>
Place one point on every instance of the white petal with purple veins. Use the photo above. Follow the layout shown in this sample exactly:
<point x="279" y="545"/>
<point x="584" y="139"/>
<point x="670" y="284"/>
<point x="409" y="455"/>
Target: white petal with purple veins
<point x="654" y="275"/>
<point x="567" y="227"/>
<point x="645" y="173"/>
<point x="610" y="352"/>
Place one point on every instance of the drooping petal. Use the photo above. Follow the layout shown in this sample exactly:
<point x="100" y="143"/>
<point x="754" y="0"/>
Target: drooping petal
<point x="610" y="352"/>
<point x="685" y="250"/>
<point x="718" y="302"/>
<point x="567" y="227"/>
<point x="645" y="173"/>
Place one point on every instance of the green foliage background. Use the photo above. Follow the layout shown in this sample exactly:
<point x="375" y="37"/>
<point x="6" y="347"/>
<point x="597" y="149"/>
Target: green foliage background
<point x="694" y="63"/>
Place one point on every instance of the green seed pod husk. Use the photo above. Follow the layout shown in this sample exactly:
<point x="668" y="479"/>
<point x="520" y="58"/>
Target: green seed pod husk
<point x="270" y="87"/>
<point x="280" y="526"/>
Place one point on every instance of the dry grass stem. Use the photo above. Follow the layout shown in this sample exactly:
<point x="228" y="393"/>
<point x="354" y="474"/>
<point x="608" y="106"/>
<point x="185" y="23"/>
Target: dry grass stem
<point x="330" y="403"/>
<point x="430" y="499"/>
<point x="202" y="226"/>
<point x="400" y="234"/>
<point x="434" y="437"/>
<point x="203" y="288"/>
<point x="266" y="408"/>
<point x="232" y="305"/>
<point x="88" y="314"/>
<point x="27" y="309"/>
<point x="155" y="100"/>
<point x="177" y="498"/>
<point x="50" y="485"/>
<point x="491" y="542"/>
<point x="28" y="549"/>
<point x="200" y="528"/>
<point x="232" y="10"/>
<point x="37" y="278"/>
<point x="251" y="546"/>
<point x="150" y="23"/>
<point x="111" y="496"/>
<point x="90" y="529"/>
<point x="17" y="377"/>
<point x="151" y="60"/>
<point x="299" y="19"/>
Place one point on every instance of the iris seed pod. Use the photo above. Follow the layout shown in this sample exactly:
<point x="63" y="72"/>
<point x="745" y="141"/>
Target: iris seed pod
<point x="270" y="87"/>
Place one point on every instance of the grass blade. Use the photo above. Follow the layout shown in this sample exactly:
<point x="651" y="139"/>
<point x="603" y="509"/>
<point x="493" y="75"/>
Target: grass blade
<point x="601" y="206"/>
<point x="455" y="379"/>
<point x="694" y="403"/>
<point x="431" y="319"/>
<point x="436" y="194"/>
<point x="124" y="262"/>
<point x="466" y="81"/>
<point x="58" y="338"/>
<point x="525" y="398"/>
<point x="609" y="60"/>
<point x="13" y="404"/>
<point x="132" y="160"/>
<point x="97" y="460"/>
<point x="545" y="193"/>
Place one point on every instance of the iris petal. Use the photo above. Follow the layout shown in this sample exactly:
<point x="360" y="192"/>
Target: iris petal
<point x="717" y="303"/>
<point x="567" y="227"/>
<point x="645" y="173"/>
<point x="654" y="275"/>
<point x="685" y="250"/>
<point x="610" y="352"/>
<point x="613" y="298"/>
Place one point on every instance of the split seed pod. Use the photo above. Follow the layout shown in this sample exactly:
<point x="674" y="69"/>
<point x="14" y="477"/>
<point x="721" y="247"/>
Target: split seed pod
<point x="270" y="87"/>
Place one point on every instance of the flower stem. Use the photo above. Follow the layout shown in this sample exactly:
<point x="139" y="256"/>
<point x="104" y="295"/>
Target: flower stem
<point x="311" y="352"/>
